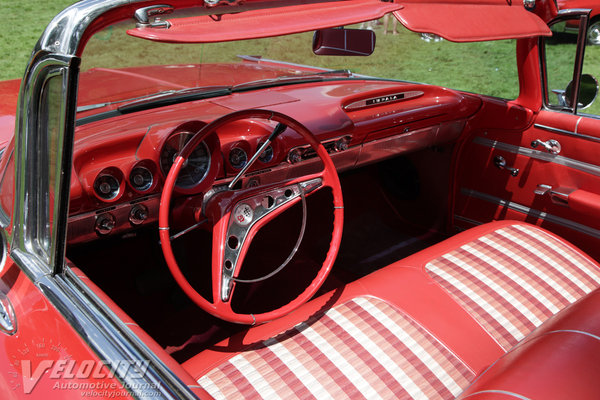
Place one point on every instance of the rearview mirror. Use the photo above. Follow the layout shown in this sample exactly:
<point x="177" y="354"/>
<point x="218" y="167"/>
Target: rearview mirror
<point x="343" y="42"/>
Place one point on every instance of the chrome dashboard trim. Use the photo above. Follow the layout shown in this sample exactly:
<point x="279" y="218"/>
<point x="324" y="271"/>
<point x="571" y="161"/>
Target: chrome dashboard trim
<point x="343" y="160"/>
<point x="325" y="143"/>
<point x="532" y="212"/>
<point x="357" y="155"/>
<point x="556" y="159"/>
<point x="383" y="99"/>
<point x="569" y="133"/>
<point x="81" y="226"/>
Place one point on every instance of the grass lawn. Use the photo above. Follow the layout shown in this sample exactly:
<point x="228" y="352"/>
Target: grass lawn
<point x="403" y="56"/>
<point x="487" y="67"/>
<point x="23" y="23"/>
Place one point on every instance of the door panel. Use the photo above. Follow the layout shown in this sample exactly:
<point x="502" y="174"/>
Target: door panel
<point x="567" y="204"/>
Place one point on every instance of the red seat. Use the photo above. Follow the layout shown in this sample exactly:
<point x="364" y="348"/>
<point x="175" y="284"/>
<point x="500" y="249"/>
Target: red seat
<point x="423" y="327"/>
<point x="560" y="360"/>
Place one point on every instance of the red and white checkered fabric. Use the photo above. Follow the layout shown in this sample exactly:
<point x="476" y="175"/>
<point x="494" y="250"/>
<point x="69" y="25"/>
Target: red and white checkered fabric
<point x="513" y="279"/>
<point x="364" y="348"/>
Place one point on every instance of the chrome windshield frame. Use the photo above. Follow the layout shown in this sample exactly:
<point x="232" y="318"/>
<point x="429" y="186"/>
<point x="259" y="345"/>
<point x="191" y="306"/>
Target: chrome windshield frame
<point x="43" y="164"/>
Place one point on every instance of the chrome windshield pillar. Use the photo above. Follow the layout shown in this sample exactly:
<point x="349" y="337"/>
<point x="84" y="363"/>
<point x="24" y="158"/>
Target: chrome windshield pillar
<point x="44" y="140"/>
<point x="43" y="148"/>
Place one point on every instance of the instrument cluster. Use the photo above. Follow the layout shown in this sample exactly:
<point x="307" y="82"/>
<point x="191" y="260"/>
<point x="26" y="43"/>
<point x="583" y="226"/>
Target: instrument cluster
<point x="196" y="166"/>
<point x="127" y="192"/>
<point x="110" y="183"/>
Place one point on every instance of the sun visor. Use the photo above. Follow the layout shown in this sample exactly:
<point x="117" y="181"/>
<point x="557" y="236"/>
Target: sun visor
<point x="266" y="23"/>
<point x="464" y="22"/>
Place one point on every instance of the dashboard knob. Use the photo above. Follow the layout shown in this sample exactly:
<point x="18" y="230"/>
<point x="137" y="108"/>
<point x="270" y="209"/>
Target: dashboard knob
<point x="105" y="223"/>
<point x="138" y="214"/>
<point x="342" y="143"/>
<point x="294" y="156"/>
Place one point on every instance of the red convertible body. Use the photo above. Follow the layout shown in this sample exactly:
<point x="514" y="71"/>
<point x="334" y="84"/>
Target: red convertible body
<point x="224" y="199"/>
<point x="593" y="30"/>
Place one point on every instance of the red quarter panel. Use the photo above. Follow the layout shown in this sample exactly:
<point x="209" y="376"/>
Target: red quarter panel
<point x="42" y="336"/>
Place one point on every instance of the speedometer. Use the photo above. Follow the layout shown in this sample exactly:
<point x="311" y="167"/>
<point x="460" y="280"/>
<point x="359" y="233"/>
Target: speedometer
<point x="194" y="169"/>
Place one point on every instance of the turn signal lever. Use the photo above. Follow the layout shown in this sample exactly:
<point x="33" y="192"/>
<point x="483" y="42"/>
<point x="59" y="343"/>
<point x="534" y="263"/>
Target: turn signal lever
<point x="552" y="146"/>
<point x="500" y="162"/>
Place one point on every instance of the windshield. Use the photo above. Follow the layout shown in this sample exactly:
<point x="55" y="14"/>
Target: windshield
<point x="118" y="68"/>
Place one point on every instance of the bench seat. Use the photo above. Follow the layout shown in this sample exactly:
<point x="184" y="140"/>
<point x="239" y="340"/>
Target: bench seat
<point x="470" y="316"/>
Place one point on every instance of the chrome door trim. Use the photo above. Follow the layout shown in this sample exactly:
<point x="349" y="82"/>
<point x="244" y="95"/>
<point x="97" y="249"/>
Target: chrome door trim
<point x="539" y="155"/>
<point x="467" y="220"/>
<point x="568" y="133"/>
<point x="532" y="212"/>
<point x="102" y="329"/>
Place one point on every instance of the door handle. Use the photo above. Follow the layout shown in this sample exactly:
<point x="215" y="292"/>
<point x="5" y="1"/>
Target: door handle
<point x="500" y="162"/>
<point x="552" y="146"/>
<point x="558" y="195"/>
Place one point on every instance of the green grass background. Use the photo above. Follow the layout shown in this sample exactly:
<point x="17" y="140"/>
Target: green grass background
<point x="486" y="67"/>
<point x="403" y="56"/>
<point x="23" y="22"/>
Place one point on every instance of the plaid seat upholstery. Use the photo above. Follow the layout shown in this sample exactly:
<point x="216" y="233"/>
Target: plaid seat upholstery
<point x="364" y="348"/>
<point x="513" y="279"/>
<point x="509" y="279"/>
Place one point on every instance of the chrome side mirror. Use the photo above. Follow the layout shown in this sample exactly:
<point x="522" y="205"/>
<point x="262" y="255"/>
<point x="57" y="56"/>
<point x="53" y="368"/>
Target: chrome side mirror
<point x="588" y="90"/>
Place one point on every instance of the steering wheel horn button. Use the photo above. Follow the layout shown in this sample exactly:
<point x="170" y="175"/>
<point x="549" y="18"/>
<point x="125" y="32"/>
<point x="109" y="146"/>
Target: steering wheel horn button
<point x="243" y="214"/>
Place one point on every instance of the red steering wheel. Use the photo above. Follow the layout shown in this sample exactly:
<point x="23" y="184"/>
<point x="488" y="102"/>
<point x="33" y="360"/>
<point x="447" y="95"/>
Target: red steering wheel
<point x="238" y="215"/>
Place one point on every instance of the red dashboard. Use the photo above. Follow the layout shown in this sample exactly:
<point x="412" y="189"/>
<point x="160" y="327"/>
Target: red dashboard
<point x="120" y="163"/>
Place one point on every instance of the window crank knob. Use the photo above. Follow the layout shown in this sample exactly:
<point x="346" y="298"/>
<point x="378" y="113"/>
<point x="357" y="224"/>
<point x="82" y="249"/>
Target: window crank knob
<point x="500" y="162"/>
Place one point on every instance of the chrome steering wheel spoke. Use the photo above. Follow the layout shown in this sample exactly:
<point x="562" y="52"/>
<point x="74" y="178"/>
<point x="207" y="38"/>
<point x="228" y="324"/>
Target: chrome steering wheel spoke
<point x="248" y="216"/>
<point x="237" y="215"/>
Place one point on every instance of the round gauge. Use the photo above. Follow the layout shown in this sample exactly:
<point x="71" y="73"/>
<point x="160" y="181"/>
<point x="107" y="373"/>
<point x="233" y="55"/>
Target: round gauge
<point x="195" y="167"/>
<point x="106" y="186"/>
<point x="141" y="178"/>
<point x="267" y="155"/>
<point x="238" y="158"/>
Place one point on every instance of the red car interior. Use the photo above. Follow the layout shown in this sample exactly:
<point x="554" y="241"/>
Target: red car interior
<point x="503" y="310"/>
<point x="383" y="324"/>
<point x="432" y="243"/>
